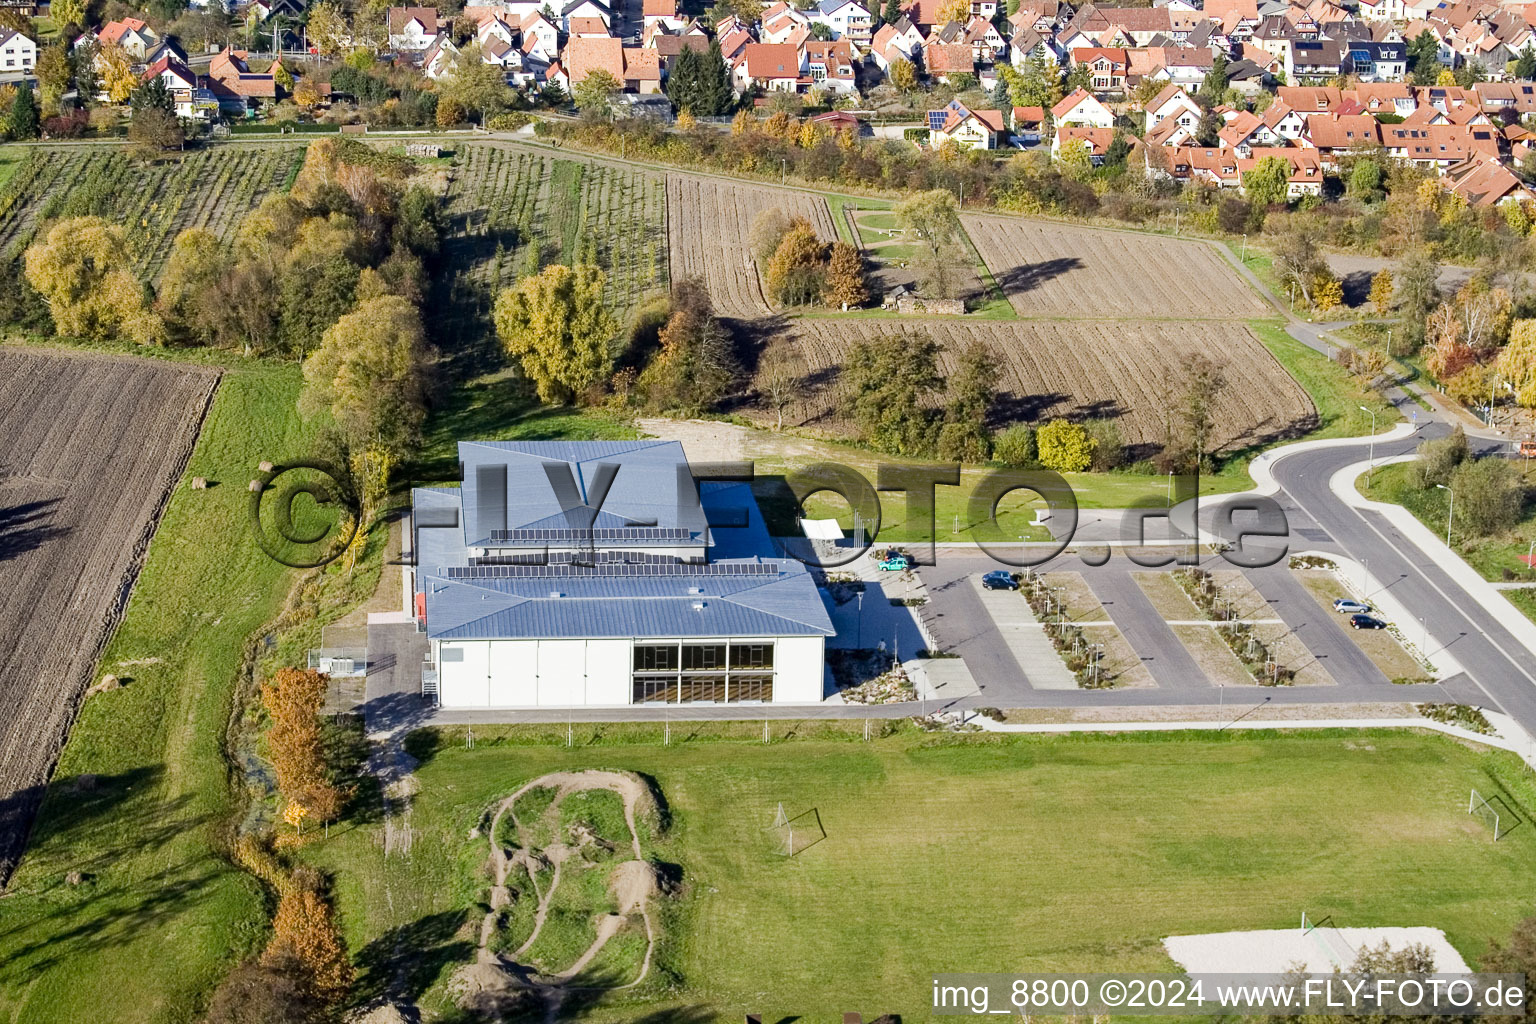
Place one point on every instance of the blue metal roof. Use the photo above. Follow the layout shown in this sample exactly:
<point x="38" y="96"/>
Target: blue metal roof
<point x="594" y="602"/>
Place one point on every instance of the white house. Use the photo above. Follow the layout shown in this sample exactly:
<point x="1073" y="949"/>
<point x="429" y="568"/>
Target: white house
<point x="412" y="29"/>
<point x="844" y="18"/>
<point x="570" y="574"/>
<point x="17" y="52"/>
<point x="439" y="59"/>
<point x="1081" y="108"/>
<point x="1173" y="102"/>
<point x="971" y="129"/>
<point x="775" y="67"/>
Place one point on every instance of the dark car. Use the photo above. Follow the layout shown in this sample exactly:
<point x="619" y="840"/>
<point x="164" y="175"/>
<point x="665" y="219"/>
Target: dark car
<point x="999" y="579"/>
<point x="1366" y="622"/>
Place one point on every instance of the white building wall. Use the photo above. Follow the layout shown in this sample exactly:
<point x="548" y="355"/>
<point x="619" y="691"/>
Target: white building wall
<point x="514" y="682"/>
<point x="608" y="671"/>
<point x="562" y="672"/>
<point x="464" y="673"/>
<point x="797" y="662"/>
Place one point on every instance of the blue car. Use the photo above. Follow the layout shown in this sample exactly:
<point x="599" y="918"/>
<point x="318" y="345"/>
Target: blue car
<point x="999" y="579"/>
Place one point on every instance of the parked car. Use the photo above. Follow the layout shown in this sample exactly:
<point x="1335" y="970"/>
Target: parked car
<point x="999" y="579"/>
<point x="892" y="560"/>
<point x="1349" y="606"/>
<point x="1366" y="622"/>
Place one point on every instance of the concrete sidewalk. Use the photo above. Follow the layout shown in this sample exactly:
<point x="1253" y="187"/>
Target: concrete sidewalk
<point x="1016" y="623"/>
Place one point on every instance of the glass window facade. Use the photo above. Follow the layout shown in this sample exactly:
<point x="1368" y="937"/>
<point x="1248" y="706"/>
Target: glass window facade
<point x="678" y="673"/>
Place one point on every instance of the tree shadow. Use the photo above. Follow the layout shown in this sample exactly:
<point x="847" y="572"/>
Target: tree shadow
<point x="1027" y="276"/>
<point x="404" y="962"/>
<point x="1357" y="287"/>
<point x="26" y="526"/>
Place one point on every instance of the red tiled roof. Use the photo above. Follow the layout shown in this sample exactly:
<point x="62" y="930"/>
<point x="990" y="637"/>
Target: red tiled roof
<point x="949" y="59"/>
<point x="772" y="60"/>
<point x="585" y="55"/>
<point x="399" y="17"/>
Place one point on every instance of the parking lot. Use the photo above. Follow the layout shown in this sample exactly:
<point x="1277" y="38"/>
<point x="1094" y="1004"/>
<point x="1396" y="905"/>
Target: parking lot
<point x="1154" y="636"/>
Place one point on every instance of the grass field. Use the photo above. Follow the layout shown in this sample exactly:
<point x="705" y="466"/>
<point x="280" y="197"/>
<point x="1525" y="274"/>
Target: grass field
<point x="962" y="854"/>
<point x="1335" y="393"/>
<point x="160" y="915"/>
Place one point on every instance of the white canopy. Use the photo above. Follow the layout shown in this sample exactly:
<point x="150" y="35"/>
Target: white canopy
<point x="821" y="529"/>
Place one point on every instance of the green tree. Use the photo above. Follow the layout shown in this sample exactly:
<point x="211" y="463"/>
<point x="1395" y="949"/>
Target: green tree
<point x="68" y="12"/>
<point x="1065" y="446"/>
<point x="1269" y="182"/>
<point x="1015" y="446"/>
<point x="189" y="297"/>
<point x="372" y="371"/>
<point x="53" y="71"/>
<point x="1214" y="87"/>
<point x="1491" y="495"/>
<point x="892" y="13"/>
<point x="1437" y="459"/>
<point x="1208" y="129"/>
<point x="1424" y="58"/>
<point x="327" y="28"/>
<point x="1365" y="181"/>
<point x="1517" y="361"/>
<point x="1470" y="73"/>
<point x="1524" y="66"/>
<point x="889" y="383"/>
<point x="25" y="123"/>
<point x="964" y="436"/>
<point x="1418" y="291"/>
<point x="594" y="94"/>
<point x="476" y="86"/>
<point x="555" y="324"/>
<point x="317" y="281"/>
<point x="933" y="219"/>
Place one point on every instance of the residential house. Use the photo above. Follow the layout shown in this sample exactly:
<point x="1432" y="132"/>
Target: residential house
<point x="1135" y="26"/>
<point x="1108" y="66"/>
<point x="584" y="55"/>
<point x="192" y="99"/>
<point x="1082" y="108"/>
<point x="772" y="67"/>
<point x="412" y="29"/>
<point x="237" y="90"/>
<point x="893" y="42"/>
<point x="830" y="67"/>
<point x="945" y="61"/>
<point x="1336" y="135"/>
<point x="1374" y="61"/>
<point x="1393" y="98"/>
<point x="1028" y="46"/>
<point x="781" y="21"/>
<point x="541" y="39"/>
<point x="971" y="129"/>
<point x="17" y="52"/>
<point x="666" y="13"/>
<point x="985" y="41"/>
<point x="1440" y="146"/>
<point x="1028" y="123"/>
<point x="438" y="60"/>
<point x="1095" y="140"/>
<point x="585" y="9"/>
<point x="492" y="26"/>
<point x="1506" y="99"/>
<point x="1485" y="183"/>
<point x="640" y="596"/>
<point x="1181" y="65"/>
<point x="1306" y="177"/>
<point x="642" y="71"/>
<point x="132" y="35"/>
<point x="1319" y="58"/>
<point x="845" y="19"/>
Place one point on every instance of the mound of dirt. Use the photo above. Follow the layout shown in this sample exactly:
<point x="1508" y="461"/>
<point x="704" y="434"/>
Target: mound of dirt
<point x="486" y="989"/>
<point x="386" y="1013"/>
<point x="634" y="884"/>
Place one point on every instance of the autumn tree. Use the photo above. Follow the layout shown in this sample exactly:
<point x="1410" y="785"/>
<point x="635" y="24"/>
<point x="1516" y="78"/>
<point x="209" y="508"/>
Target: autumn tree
<point x="272" y="992"/>
<point x="476" y="86"/>
<point x="54" y="72"/>
<point x="306" y="941"/>
<point x="189" y="297"/>
<point x="766" y="232"/>
<point x="697" y="365"/>
<point x="1064" y="446"/>
<point x="1381" y="291"/>
<point x="371" y="371"/>
<point x="1517" y="362"/>
<point x="889" y="384"/>
<point x="845" y="285"/>
<point x="1327" y="291"/>
<point x="932" y="219"/>
<point x="953" y="10"/>
<point x="1269" y="181"/>
<point x="903" y="74"/>
<point x="555" y="324"/>
<point x="1418" y="293"/>
<point x="1297" y="261"/>
<point x="1189" y="408"/>
<point x="798" y="267"/>
<point x="964" y="436"/>
<point x="327" y="28"/>
<point x="594" y="94"/>
<point x="83" y="270"/>
<point x="781" y="378"/>
<point x="117" y="77"/>
<point x="293" y="699"/>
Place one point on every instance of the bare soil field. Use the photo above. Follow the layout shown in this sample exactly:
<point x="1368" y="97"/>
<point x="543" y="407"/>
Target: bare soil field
<point x="1049" y="269"/>
<point x="708" y="221"/>
<point x="1084" y="370"/>
<point x="91" y="448"/>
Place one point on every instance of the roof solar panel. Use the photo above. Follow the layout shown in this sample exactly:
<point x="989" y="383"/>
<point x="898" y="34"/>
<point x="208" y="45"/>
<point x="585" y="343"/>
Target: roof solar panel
<point x="487" y="572"/>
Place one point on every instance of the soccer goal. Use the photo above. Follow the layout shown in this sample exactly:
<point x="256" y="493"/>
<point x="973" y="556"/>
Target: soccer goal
<point x="792" y="835"/>
<point x="1329" y="941"/>
<point x="1494" y="813"/>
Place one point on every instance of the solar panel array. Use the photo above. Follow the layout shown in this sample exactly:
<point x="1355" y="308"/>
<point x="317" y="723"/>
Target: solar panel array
<point x="567" y="558"/>
<point x="502" y="572"/>
<point x="614" y="533"/>
<point x="936" y="119"/>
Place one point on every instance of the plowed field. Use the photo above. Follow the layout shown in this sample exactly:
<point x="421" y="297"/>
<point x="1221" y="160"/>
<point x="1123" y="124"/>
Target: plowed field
<point x="89" y="450"/>
<point x="1050" y="269"/>
<point x="1088" y="369"/>
<point x="708" y="221"/>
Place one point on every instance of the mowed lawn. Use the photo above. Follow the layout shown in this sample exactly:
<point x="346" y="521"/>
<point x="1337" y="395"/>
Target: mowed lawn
<point x="964" y="853"/>
<point x="142" y="788"/>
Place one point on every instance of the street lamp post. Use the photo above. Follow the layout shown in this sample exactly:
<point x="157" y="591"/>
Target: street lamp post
<point x="1371" y="463"/>
<point x="1450" y="513"/>
<point x="1170" y="488"/>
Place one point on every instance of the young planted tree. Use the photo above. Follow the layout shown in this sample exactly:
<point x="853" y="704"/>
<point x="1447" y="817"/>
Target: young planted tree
<point x="372" y="371"/>
<point x="889" y="384"/>
<point x="555" y="324"/>
<point x="306" y="942"/>
<point x="781" y="378"/>
<point x="1191" y="412"/>
<point x="1381" y="292"/>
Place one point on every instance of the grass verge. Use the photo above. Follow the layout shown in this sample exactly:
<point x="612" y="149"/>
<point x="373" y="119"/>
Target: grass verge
<point x="960" y="853"/>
